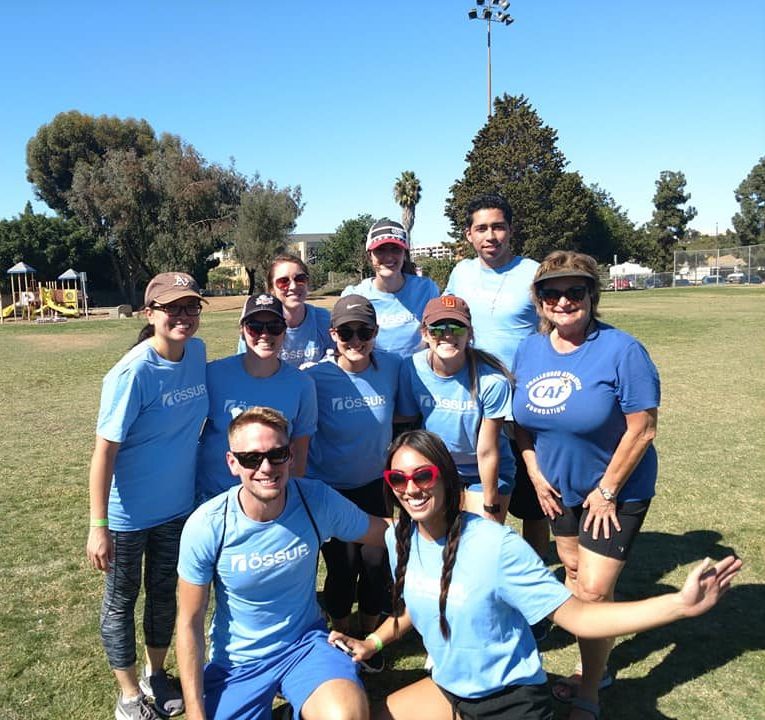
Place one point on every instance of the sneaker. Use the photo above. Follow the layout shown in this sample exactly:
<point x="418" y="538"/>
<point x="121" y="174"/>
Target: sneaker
<point x="165" y="691"/>
<point x="375" y="664"/>
<point x="137" y="709"/>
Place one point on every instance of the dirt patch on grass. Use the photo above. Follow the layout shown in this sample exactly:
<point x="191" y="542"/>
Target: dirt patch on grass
<point x="47" y="343"/>
<point x="235" y="302"/>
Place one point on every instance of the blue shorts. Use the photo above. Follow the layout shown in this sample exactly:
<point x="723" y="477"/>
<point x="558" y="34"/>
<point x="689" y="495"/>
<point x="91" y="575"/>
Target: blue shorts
<point x="246" y="692"/>
<point x="473" y="484"/>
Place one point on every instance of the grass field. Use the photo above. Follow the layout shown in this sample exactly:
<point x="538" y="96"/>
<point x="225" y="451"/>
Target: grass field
<point x="709" y="346"/>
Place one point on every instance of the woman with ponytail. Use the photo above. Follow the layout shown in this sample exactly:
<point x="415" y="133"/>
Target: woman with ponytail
<point x="472" y="589"/>
<point x="463" y="395"/>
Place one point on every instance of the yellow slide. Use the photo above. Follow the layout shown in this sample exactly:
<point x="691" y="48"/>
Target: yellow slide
<point x="61" y="309"/>
<point x="8" y="310"/>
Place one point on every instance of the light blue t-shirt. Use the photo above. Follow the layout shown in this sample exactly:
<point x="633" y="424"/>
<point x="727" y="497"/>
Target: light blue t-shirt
<point x="500" y="303"/>
<point x="399" y="314"/>
<point x="155" y="409"/>
<point x="232" y="389"/>
<point x="265" y="583"/>
<point x="574" y="405"/>
<point x="449" y="411"/>
<point x="355" y="424"/>
<point x="308" y="342"/>
<point x="499" y="589"/>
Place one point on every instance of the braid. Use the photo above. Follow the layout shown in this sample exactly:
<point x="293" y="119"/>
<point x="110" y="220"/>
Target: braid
<point x="403" y="546"/>
<point x="449" y="558"/>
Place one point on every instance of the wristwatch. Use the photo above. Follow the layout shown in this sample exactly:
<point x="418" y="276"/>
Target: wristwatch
<point x="491" y="509"/>
<point x="607" y="494"/>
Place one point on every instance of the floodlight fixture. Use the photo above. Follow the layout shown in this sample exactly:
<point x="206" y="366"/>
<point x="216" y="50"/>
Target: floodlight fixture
<point x="473" y="14"/>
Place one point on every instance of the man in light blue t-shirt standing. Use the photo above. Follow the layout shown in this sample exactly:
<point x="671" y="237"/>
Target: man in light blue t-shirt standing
<point x="496" y="286"/>
<point x="258" y="544"/>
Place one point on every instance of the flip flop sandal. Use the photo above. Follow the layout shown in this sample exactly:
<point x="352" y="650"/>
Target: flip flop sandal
<point x="588" y="706"/>
<point x="565" y="690"/>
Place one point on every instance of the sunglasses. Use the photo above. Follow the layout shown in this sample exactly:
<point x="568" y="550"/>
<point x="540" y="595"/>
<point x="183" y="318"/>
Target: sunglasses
<point x="283" y="283"/>
<point x="551" y="296"/>
<point x="423" y="477"/>
<point x="272" y="327"/>
<point x="253" y="460"/>
<point x="193" y="310"/>
<point x="363" y="333"/>
<point x="438" y="331"/>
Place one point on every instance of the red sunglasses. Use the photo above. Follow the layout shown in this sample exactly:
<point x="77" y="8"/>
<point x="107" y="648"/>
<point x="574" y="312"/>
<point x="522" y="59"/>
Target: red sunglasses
<point x="423" y="477"/>
<point x="283" y="283"/>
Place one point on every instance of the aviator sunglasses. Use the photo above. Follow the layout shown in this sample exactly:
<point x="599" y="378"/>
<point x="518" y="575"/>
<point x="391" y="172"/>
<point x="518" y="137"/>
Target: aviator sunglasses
<point x="174" y="311"/>
<point x="423" y="477"/>
<point x="438" y="331"/>
<point x="272" y="327"/>
<point x="363" y="333"/>
<point x="552" y="296"/>
<point x="283" y="283"/>
<point x="253" y="460"/>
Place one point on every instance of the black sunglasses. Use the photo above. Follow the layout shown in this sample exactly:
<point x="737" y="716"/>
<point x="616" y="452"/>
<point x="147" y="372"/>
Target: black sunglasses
<point x="551" y="296"/>
<point x="364" y="333"/>
<point x="253" y="460"/>
<point x="272" y="327"/>
<point x="191" y="310"/>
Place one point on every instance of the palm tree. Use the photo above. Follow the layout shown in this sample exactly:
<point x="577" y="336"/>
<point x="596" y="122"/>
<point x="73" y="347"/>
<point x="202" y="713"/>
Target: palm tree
<point x="407" y="193"/>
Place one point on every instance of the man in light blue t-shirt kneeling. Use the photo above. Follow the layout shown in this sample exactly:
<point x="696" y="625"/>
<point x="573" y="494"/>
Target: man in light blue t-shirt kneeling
<point x="258" y="543"/>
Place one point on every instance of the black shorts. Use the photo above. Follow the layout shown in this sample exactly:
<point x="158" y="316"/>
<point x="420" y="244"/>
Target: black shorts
<point x="630" y="514"/>
<point x="524" y="503"/>
<point x="517" y="702"/>
<point x="370" y="497"/>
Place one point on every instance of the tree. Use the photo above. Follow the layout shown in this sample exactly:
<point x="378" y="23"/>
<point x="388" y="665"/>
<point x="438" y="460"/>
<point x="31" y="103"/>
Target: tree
<point x="72" y="138"/>
<point x="51" y="245"/>
<point x="407" y="192"/>
<point x="749" y="221"/>
<point x="344" y="251"/>
<point x="266" y="217"/>
<point x="437" y="269"/>
<point x="516" y="155"/>
<point x="620" y="233"/>
<point x="669" y="221"/>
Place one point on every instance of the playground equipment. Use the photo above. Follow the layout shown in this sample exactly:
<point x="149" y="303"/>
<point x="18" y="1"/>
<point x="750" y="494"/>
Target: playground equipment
<point x="50" y="301"/>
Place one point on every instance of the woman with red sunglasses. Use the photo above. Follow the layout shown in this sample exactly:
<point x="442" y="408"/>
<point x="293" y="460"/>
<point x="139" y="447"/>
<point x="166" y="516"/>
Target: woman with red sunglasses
<point x="472" y="589"/>
<point x="307" y="339"/>
<point x="585" y="409"/>
<point x="259" y="377"/>
<point x="356" y="393"/>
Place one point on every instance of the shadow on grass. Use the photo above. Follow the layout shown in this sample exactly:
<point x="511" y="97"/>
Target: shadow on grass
<point x="694" y="647"/>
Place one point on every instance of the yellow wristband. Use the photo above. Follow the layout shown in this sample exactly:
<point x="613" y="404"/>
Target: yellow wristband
<point x="376" y="640"/>
<point x="99" y="522"/>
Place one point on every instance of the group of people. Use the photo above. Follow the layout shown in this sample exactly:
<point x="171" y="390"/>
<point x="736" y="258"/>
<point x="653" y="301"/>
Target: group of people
<point x="521" y="400"/>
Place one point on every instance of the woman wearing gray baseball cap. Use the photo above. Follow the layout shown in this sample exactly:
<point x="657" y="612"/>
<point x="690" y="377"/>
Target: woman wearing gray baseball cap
<point x="153" y="404"/>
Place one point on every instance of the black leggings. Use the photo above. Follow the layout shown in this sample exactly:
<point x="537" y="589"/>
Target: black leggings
<point x="354" y="568"/>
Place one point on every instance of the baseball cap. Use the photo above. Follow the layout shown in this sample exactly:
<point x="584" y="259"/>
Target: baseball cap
<point x="385" y="232"/>
<point x="169" y="286"/>
<point x="563" y="273"/>
<point x="446" y="307"/>
<point x="353" y="308"/>
<point x="261" y="303"/>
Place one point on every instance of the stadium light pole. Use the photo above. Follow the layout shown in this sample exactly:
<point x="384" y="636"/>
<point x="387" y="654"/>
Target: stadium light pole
<point x="493" y="11"/>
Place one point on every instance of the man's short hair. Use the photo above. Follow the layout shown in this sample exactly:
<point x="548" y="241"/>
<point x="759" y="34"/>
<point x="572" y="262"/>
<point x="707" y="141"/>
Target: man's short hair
<point x="488" y="201"/>
<point x="261" y="416"/>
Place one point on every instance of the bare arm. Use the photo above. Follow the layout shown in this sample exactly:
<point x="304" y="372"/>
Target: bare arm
<point x="190" y="644"/>
<point x="99" y="547"/>
<point x="487" y="455"/>
<point x="364" y="649"/>
<point x="375" y="534"/>
<point x="547" y="495"/>
<point x="299" y="447"/>
<point x="640" y="432"/>
<point x="703" y="587"/>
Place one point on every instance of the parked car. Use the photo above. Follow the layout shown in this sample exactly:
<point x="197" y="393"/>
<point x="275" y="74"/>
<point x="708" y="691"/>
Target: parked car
<point x="712" y="280"/>
<point x="621" y="284"/>
<point x="752" y="279"/>
<point x="654" y="281"/>
<point x="682" y="282"/>
<point x="735" y="278"/>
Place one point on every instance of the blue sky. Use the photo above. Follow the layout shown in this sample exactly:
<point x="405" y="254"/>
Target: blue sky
<point x="341" y="97"/>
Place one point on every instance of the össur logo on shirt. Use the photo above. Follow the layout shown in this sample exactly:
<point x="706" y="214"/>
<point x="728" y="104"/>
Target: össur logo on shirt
<point x="350" y="402"/>
<point x="242" y="562"/>
<point x="182" y="395"/>
<point x="395" y="319"/>
<point x="547" y="393"/>
<point x="449" y="404"/>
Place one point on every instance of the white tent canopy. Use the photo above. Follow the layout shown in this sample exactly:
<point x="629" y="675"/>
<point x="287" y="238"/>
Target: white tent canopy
<point x="628" y="268"/>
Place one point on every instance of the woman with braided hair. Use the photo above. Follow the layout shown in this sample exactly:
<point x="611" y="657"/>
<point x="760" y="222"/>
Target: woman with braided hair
<point x="472" y="588"/>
